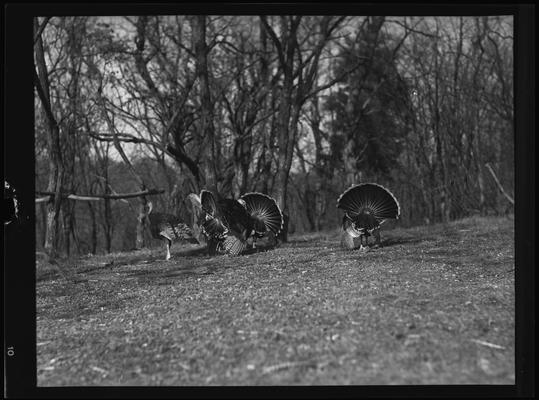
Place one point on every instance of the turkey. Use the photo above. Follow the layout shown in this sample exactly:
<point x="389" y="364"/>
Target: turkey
<point x="169" y="228"/>
<point x="366" y="206"/>
<point x="229" y="223"/>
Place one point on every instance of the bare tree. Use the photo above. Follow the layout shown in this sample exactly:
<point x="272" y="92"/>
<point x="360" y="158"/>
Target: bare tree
<point x="56" y="164"/>
<point x="297" y="64"/>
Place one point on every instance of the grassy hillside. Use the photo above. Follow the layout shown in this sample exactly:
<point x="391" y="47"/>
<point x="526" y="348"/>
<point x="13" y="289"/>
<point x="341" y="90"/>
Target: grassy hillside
<point x="433" y="305"/>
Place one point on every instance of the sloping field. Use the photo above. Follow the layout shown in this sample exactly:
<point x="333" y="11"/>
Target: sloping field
<point x="433" y="305"/>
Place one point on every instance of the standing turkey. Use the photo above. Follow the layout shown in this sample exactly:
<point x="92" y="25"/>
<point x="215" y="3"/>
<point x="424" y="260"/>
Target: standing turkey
<point x="366" y="206"/>
<point x="169" y="228"/>
<point x="229" y="223"/>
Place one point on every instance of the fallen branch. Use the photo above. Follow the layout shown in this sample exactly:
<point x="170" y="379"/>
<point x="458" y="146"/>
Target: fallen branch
<point x="487" y="344"/>
<point x="111" y="188"/>
<point x="511" y="200"/>
<point x="98" y="197"/>
<point x="100" y="370"/>
<point x="293" y="364"/>
<point x="43" y="199"/>
<point x="281" y="366"/>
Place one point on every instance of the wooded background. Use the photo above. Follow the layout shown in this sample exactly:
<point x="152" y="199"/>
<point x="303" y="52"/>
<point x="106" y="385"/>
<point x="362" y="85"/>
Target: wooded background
<point x="131" y="109"/>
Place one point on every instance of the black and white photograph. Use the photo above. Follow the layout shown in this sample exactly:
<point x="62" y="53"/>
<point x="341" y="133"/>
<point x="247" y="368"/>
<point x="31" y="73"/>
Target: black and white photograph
<point x="267" y="199"/>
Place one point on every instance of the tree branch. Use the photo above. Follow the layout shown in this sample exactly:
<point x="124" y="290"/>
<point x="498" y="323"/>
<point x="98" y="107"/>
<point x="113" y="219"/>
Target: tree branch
<point x="44" y="100"/>
<point x="125" y="138"/>
<point x="274" y="39"/>
<point x="116" y="140"/>
<point x="330" y="83"/>
<point x="40" y="29"/>
<point x="511" y="200"/>
<point x="180" y="156"/>
<point x="84" y="197"/>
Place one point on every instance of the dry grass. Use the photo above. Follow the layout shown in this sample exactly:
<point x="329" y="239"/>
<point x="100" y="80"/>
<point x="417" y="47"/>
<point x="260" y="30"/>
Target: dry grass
<point x="434" y="305"/>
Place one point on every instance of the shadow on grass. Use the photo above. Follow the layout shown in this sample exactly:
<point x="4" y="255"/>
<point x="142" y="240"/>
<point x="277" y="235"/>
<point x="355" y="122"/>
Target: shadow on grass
<point x="197" y="251"/>
<point x="200" y="251"/>
<point x="303" y="240"/>
<point x="386" y="241"/>
<point x="167" y="276"/>
<point x="259" y="249"/>
<point x="308" y="242"/>
<point x="196" y="261"/>
<point x="187" y="266"/>
<point x="152" y="266"/>
<point x="143" y="259"/>
<point x="394" y="241"/>
<point x="46" y="276"/>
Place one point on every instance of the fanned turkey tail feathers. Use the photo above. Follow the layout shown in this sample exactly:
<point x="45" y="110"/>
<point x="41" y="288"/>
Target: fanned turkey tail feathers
<point x="214" y="228"/>
<point x="265" y="211"/>
<point x="369" y="202"/>
<point x="208" y="202"/>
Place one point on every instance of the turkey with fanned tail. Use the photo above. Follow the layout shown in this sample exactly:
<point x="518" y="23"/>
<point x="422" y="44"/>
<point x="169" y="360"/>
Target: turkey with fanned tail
<point x="366" y="206"/>
<point x="229" y="223"/>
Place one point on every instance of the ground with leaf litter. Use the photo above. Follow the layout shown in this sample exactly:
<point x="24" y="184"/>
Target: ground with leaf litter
<point x="433" y="305"/>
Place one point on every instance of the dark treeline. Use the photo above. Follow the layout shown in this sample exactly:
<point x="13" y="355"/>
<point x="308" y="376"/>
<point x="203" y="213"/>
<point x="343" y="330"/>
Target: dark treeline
<point x="299" y="107"/>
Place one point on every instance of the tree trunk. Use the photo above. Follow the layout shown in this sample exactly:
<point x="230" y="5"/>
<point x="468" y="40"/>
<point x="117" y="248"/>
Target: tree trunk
<point x="56" y="167"/>
<point x="108" y="228"/>
<point x="209" y="158"/>
<point x="445" y="204"/>
<point x="43" y="209"/>
<point x="66" y="227"/>
<point x="93" y="235"/>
